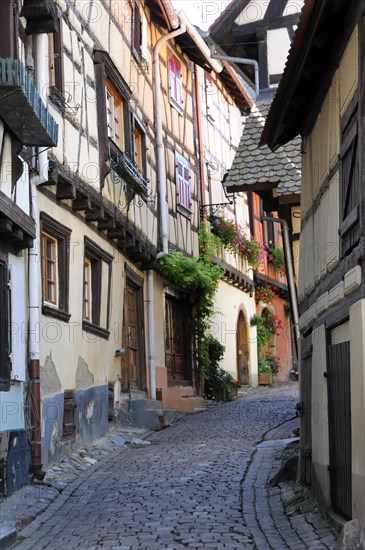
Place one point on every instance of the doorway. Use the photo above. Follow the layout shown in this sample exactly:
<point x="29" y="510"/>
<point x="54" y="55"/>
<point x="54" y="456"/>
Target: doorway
<point x="243" y="352"/>
<point x="178" y="341"/>
<point x="133" y="360"/>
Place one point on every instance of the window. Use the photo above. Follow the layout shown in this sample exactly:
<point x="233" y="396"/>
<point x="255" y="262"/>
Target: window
<point x="183" y="186"/>
<point x="114" y="115"/>
<point x="175" y="81"/>
<point x="50" y="271"/>
<point x="139" y="147"/>
<point x="96" y="289"/>
<point x="5" y="332"/>
<point x="87" y="290"/>
<point x="139" y="33"/>
<point x="55" y="243"/>
<point x="350" y="181"/>
<point x="112" y="95"/>
<point x="211" y="95"/>
<point x="56" y="78"/>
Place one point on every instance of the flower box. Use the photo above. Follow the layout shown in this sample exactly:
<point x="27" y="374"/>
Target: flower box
<point x="266" y="379"/>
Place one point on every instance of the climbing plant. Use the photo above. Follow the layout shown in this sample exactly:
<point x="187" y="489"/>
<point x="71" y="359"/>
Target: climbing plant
<point x="198" y="277"/>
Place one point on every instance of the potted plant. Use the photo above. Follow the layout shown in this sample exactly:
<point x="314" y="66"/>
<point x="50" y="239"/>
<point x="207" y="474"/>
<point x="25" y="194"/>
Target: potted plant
<point x="265" y="373"/>
<point x="277" y="259"/>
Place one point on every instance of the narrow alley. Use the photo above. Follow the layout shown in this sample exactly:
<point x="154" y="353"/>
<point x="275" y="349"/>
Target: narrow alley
<point x="202" y="483"/>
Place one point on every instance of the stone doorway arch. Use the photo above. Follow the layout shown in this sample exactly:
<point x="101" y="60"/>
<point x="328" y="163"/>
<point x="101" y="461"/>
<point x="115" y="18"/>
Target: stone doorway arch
<point x="243" y="350"/>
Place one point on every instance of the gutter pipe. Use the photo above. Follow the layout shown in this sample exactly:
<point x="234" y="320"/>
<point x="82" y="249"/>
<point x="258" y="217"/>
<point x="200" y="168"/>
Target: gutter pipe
<point x="161" y="184"/>
<point x="244" y="61"/>
<point x="290" y="274"/>
<point x="184" y="26"/>
<point x="41" y="42"/>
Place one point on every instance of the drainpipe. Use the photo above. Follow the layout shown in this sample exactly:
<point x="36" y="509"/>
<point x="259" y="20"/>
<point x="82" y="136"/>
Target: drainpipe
<point x="289" y="273"/>
<point x="161" y="184"/>
<point x="244" y="61"/>
<point x="200" y="138"/>
<point x="41" y="42"/>
<point x="161" y="167"/>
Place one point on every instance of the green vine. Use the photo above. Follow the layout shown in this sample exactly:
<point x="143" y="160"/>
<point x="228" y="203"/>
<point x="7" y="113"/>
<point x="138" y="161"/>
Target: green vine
<point x="199" y="278"/>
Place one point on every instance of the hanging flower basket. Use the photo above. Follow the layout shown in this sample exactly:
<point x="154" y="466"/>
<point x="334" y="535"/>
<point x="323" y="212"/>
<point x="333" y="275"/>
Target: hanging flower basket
<point x="234" y="239"/>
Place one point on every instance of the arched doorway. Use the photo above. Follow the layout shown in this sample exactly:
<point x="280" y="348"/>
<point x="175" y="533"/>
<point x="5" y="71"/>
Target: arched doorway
<point x="243" y="352"/>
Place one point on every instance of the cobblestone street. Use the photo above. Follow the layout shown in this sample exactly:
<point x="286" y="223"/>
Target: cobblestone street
<point x="201" y="483"/>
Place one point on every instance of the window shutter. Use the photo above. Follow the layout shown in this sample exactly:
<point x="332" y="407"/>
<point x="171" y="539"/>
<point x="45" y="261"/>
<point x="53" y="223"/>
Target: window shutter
<point x="144" y="41"/>
<point x="171" y="76"/>
<point x="175" y="79"/>
<point x="350" y="185"/>
<point x="137" y="31"/>
<point x="178" y="79"/>
<point x="5" y="363"/>
<point x="183" y="186"/>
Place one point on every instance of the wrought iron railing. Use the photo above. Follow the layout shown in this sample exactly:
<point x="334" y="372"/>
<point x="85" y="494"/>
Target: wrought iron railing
<point x="22" y="107"/>
<point x="124" y="167"/>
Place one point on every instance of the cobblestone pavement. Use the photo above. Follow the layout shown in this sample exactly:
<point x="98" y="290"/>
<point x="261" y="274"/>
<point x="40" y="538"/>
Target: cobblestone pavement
<point x="200" y="484"/>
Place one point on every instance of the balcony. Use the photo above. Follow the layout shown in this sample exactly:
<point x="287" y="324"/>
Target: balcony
<point x="22" y="108"/>
<point x="41" y="16"/>
<point x="124" y="167"/>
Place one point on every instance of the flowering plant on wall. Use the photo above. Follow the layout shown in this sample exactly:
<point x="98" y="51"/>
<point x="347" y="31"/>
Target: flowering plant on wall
<point x="225" y="230"/>
<point x="266" y="294"/>
<point x="253" y="251"/>
<point x="276" y="257"/>
<point x="273" y="362"/>
<point x="272" y="323"/>
<point x="234" y="239"/>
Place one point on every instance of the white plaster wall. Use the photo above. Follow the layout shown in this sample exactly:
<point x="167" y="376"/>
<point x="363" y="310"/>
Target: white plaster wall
<point x="66" y="342"/>
<point x="357" y="362"/>
<point x="12" y="408"/>
<point x="278" y="44"/>
<point x="19" y="285"/>
<point x="320" y="447"/>
<point x="229" y="302"/>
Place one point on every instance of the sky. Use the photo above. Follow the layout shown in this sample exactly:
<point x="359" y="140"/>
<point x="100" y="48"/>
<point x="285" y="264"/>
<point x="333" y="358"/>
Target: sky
<point x="202" y="13"/>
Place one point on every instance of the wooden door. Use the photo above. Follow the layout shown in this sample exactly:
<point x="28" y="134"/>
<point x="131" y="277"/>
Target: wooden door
<point x="339" y="425"/>
<point x="177" y="340"/>
<point x="305" y="411"/>
<point x="243" y="373"/>
<point x="133" y="359"/>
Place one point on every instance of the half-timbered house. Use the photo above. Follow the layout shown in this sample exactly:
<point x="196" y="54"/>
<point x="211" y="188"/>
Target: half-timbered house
<point x="25" y="122"/>
<point x="258" y="37"/>
<point x="321" y="97"/>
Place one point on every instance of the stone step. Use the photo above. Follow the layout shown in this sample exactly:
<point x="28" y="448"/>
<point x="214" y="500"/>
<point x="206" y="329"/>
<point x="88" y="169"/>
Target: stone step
<point x="153" y="405"/>
<point x="7" y="536"/>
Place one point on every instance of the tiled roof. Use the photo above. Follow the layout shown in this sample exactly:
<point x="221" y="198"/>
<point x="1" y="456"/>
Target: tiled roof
<point x="253" y="165"/>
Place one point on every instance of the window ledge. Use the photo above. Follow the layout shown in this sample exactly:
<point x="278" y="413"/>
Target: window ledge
<point x="184" y="211"/>
<point x="57" y="99"/>
<point x="55" y="313"/>
<point x="176" y="106"/>
<point x="95" y="329"/>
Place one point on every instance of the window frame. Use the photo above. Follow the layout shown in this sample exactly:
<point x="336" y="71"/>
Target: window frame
<point x="183" y="205"/>
<point x="46" y="238"/>
<point x="106" y="70"/>
<point x="56" y="68"/>
<point x="212" y="109"/>
<point x="175" y="81"/>
<point x="136" y="125"/>
<point x="116" y="107"/>
<point x="61" y="234"/>
<point x="96" y="255"/>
